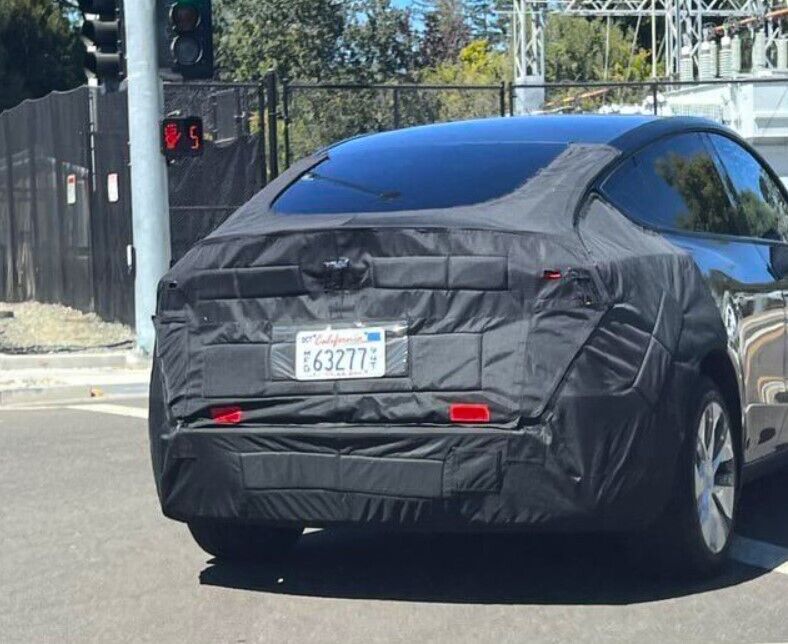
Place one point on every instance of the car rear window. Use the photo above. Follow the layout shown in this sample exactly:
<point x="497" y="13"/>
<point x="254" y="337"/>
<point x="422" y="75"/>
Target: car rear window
<point x="358" y="178"/>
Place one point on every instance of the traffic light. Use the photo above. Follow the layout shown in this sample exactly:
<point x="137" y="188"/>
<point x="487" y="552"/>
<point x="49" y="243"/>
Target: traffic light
<point x="182" y="137"/>
<point x="102" y="32"/>
<point x="190" y="36"/>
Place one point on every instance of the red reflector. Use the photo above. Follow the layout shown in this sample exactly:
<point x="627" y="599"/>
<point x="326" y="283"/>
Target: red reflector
<point x="469" y="413"/>
<point x="552" y="275"/>
<point x="227" y="415"/>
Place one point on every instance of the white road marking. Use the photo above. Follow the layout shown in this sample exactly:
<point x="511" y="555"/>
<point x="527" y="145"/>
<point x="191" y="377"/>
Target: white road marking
<point x="760" y="554"/>
<point x="116" y="410"/>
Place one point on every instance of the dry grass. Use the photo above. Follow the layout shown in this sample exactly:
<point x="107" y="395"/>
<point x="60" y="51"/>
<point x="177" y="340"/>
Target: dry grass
<point x="52" y="327"/>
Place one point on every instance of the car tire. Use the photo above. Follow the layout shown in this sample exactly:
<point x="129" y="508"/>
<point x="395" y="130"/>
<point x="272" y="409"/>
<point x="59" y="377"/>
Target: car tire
<point x="243" y="542"/>
<point x="694" y="533"/>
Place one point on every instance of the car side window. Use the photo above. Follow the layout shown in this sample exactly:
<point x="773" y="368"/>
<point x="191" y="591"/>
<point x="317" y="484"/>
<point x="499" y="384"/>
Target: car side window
<point x="674" y="183"/>
<point x="761" y="208"/>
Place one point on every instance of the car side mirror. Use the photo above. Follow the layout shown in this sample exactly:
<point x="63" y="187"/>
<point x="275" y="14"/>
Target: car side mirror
<point x="778" y="257"/>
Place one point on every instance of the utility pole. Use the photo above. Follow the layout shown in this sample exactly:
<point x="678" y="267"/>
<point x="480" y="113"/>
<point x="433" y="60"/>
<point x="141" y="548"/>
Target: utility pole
<point x="149" y="198"/>
<point x="654" y="40"/>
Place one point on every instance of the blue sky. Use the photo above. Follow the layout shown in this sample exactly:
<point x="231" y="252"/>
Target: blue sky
<point x="407" y="3"/>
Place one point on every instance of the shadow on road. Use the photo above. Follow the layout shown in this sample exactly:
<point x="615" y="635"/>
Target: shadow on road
<point x="764" y="510"/>
<point x="492" y="568"/>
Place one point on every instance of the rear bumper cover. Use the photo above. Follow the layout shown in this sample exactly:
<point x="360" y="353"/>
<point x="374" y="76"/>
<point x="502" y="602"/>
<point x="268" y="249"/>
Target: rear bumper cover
<point x="596" y="463"/>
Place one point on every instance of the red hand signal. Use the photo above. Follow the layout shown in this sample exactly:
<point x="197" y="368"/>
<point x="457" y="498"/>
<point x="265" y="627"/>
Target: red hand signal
<point x="172" y="134"/>
<point x="181" y="137"/>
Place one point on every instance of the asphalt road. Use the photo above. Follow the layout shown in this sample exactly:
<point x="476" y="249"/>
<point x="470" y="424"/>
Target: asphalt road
<point x="86" y="555"/>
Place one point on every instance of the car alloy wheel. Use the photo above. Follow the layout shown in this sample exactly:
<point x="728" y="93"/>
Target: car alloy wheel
<point x="715" y="476"/>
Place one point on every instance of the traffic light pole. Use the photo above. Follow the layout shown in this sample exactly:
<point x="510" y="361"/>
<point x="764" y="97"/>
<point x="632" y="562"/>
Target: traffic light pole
<point x="149" y="197"/>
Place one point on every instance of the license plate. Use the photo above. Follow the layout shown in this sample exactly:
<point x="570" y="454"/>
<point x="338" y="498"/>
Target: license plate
<point x="336" y="354"/>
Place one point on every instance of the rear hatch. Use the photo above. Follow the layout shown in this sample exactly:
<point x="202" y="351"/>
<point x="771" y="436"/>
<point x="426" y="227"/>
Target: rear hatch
<point x="474" y="317"/>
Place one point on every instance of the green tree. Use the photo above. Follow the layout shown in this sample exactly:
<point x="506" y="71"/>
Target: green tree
<point x="709" y="209"/>
<point x="40" y="51"/>
<point x="503" y="11"/>
<point x="298" y="38"/>
<point x="758" y="218"/>
<point x="477" y="64"/>
<point x="697" y="181"/>
<point x="446" y="31"/>
<point x="582" y="49"/>
<point x="485" y="21"/>
<point x="576" y="49"/>
<point x="379" y="43"/>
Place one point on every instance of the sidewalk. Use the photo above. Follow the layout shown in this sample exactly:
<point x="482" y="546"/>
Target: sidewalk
<point x="52" y="353"/>
<point x="53" y="377"/>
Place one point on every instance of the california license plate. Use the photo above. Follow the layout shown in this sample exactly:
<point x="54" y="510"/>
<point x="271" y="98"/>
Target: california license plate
<point x="335" y="354"/>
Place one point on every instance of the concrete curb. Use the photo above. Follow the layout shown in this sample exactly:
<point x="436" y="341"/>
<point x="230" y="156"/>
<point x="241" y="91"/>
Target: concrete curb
<point x="35" y="395"/>
<point x="27" y="395"/>
<point x="103" y="360"/>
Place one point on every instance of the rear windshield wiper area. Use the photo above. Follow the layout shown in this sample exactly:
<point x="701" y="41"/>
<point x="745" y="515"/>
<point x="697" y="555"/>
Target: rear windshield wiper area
<point x="384" y="195"/>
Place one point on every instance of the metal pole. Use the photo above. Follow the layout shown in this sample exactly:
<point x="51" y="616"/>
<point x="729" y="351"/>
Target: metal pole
<point x="286" y="119"/>
<point x="654" y="94"/>
<point x="149" y="197"/>
<point x="654" y="38"/>
<point x="34" y="237"/>
<point x="396" y="109"/>
<point x="214" y="116"/>
<point x="273" y="142"/>
<point x="93" y="208"/>
<point x="669" y="43"/>
<point x="239" y="114"/>
<point x="60" y="178"/>
<point x="13" y="291"/>
<point x="502" y="98"/>
<point x="261" y="126"/>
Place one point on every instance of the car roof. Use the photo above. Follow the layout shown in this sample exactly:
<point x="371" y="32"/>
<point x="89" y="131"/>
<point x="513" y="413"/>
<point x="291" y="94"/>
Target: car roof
<point x="625" y="132"/>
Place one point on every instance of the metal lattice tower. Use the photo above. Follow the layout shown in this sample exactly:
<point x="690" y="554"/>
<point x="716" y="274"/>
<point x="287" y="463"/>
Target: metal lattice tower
<point x="684" y="23"/>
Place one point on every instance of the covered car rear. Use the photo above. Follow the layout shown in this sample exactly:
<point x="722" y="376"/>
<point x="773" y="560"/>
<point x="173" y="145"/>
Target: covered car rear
<point x="519" y="349"/>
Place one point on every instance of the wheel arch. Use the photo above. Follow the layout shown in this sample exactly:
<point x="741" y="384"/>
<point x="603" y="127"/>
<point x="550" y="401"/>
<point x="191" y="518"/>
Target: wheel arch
<point x="718" y="367"/>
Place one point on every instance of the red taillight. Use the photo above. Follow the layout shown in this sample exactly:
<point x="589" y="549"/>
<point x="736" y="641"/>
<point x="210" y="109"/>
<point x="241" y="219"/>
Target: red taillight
<point x="469" y="413"/>
<point x="552" y="275"/>
<point x="227" y="415"/>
